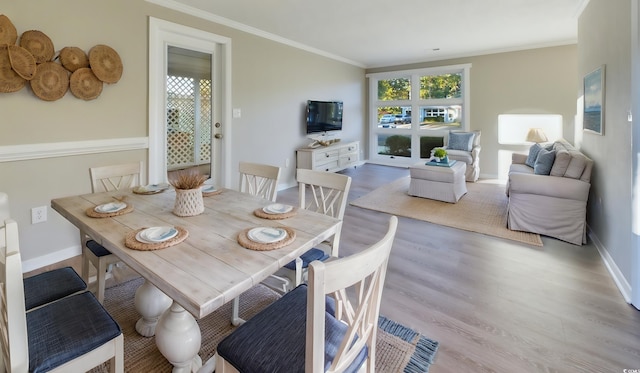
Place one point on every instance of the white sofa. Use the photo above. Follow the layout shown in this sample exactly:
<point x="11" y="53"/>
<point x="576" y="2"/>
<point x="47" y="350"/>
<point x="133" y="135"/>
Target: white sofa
<point x="553" y="205"/>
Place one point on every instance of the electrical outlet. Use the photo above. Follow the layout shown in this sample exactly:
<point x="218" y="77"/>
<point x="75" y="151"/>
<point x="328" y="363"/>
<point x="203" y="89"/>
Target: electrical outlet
<point x="38" y="214"/>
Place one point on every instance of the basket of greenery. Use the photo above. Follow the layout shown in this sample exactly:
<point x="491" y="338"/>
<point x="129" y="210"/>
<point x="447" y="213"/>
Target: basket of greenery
<point x="188" y="193"/>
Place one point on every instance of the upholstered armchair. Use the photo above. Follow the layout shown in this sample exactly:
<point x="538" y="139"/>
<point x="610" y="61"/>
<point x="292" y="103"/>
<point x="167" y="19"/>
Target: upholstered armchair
<point x="465" y="147"/>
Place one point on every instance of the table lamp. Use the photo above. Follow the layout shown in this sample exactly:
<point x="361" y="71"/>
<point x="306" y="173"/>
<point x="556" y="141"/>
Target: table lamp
<point x="536" y="135"/>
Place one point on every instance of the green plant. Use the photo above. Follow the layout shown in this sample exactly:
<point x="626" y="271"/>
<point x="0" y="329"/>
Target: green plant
<point x="439" y="153"/>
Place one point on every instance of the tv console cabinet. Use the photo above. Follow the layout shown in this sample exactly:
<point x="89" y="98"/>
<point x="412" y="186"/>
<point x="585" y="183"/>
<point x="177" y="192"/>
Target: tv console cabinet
<point x="332" y="158"/>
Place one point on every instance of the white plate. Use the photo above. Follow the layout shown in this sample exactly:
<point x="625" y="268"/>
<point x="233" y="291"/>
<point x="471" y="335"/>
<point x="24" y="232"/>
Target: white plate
<point x="156" y="234"/>
<point x="208" y="189"/>
<point x="267" y="234"/>
<point x="152" y="188"/>
<point x="277" y="208"/>
<point x="110" y="207"/>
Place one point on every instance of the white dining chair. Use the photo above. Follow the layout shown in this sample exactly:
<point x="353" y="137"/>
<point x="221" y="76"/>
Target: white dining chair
<point x="73" y="334"/>
<point x="325" y="193"/>
<point x="259" y="180"/>
<point x="329" y="325"/>
<point x="106" y="179"/>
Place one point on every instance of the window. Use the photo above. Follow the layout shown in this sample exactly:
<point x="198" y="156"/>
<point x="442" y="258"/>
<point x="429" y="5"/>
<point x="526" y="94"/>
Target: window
<point x="407" y="107"/>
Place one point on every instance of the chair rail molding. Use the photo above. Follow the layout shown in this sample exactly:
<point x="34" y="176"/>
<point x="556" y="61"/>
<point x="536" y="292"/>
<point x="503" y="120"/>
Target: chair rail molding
<point x="23" y="152"/>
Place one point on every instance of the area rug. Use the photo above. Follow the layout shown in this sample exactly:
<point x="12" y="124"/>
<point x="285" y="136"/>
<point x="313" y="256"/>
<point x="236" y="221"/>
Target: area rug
<point x="398" y="348"/>
<point x="482" y="210"/>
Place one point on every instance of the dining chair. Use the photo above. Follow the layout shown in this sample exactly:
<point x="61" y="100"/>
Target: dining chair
<point x="73" y="334"/>
<point x="327" y="325"/>
<point x="327" y="194"/>
<point x="259" y="180"/>
<point x="106" y="179"/>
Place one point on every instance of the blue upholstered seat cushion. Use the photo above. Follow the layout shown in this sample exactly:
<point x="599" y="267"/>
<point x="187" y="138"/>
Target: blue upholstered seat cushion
<point x="274" y="340"/>
<point x="461" y="140"/>
<point x="61" y="331"/>
<point x="308" y="257"/>
<point x="97" y="249"/>
<point x="533" y="155"/>
<point x="50" y="286"/>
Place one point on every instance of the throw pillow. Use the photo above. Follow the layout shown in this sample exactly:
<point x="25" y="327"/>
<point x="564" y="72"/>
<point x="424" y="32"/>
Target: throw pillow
<point x="544" y="162"/>
<point x="561" y="163"/>
<point x="533" y="155"/>
<point x="461" y="141"/>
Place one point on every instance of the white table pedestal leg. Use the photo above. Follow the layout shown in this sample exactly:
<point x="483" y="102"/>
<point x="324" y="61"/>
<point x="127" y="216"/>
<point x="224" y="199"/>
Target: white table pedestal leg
<point x="151" y="304"/>
<point x="178" y="339"/>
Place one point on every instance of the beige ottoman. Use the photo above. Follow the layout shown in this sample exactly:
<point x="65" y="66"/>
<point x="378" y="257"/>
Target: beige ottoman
<point x="438" y="182"/>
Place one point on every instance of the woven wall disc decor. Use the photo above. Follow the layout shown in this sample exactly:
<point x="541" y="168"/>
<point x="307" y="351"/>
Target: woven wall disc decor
<point x="84" y="84"/>
<point x="10" y="81"/>
<point x="22" y="62"/>
<point x="73" y="58"/>
<point x="105" y="63"/>
<point x="8" y="32"/>
<point x="51" y="81"/>
<point x="38" y="44"/>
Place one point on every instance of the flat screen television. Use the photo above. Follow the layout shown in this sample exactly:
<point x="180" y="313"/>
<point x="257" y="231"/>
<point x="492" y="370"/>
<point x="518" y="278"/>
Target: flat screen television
<point x="324" y="116"/>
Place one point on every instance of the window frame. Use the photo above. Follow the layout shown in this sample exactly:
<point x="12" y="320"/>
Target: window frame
<point x="415" y="102"/>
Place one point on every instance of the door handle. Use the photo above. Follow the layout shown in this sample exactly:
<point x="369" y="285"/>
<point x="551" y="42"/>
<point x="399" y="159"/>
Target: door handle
<point x="218" y="135"/>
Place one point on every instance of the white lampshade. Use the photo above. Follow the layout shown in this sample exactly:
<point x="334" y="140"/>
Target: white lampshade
<point x="536" y="135"/>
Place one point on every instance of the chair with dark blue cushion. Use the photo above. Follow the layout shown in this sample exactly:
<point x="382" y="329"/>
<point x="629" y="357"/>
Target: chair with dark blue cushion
<point x="329" y="325"/>
<point x="326" y="193"/>
<point x="106" y="179"/>
<point x="73" y="334"/>
<point x="51" y="286"/>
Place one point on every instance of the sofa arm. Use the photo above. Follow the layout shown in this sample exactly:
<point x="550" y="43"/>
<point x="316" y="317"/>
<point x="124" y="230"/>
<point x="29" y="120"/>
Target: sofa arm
<point x="518" y="158"/>
<point x="551" y="186"/>
<point x="475" y="152"/>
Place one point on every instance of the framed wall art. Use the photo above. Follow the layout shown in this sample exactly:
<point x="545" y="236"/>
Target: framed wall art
<point x="593" y="112"/>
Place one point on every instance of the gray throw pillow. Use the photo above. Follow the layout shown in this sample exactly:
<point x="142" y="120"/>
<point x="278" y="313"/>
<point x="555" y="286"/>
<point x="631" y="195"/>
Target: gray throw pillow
<point x="544" y="162"/>
<point x="461" y="141"/>
<point x="533" y="155"/>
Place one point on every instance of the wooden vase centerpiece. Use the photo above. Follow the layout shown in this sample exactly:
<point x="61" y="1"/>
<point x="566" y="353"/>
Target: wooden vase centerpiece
<point x="188" y="193"/>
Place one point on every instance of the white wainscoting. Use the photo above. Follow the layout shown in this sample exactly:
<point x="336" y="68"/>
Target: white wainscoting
<point x="11" y="153"/>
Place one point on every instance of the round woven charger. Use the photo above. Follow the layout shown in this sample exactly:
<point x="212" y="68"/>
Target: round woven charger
<point x="10" y="81"/>
<point x="51" y="81"/>
<point x="244" y="240"/>
<point x="95" y="214"/>
<point x="38" y="44"/>
<point x="22" y="62"/>
<point x="261" y="214"/>
<point x="84" y="84"/>
<point x="8" y="33"/>
<point x="131" y="242"/>
<point x="73" y="58"/>
<point x="207" y="194"/>
<point x="105" y="63"/>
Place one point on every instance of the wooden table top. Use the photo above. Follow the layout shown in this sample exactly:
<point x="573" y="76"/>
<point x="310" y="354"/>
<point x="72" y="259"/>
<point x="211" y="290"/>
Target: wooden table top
<point x="209" y="268"/>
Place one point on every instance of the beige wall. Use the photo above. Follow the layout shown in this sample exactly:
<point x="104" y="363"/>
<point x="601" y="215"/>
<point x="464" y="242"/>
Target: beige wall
<point x="535" y="81"/>
<point x="604" y="38"/>
<point x="271" y="83"/>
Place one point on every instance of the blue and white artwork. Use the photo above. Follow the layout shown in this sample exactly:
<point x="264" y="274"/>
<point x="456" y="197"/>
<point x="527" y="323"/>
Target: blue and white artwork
<point x="593" y="115"/>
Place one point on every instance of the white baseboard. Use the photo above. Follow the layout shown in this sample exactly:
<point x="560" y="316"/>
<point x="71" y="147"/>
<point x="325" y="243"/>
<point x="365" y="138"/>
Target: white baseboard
<point x="621" y="282"/>
<point x="55" y="257"/>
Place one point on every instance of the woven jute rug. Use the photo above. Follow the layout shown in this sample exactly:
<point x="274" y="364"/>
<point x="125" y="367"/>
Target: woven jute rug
<point x="482" y="210"/>
<point x="398" y="348"/>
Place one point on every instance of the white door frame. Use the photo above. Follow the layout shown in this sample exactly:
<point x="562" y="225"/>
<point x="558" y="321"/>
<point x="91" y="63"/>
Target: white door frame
<point x="161" y="35"/>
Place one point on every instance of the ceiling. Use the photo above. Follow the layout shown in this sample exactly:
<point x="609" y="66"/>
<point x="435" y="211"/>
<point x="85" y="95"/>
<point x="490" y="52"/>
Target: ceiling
<point x="375" y="33"/>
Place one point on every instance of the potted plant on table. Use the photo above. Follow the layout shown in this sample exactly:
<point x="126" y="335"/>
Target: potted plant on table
<point x="440" y="155"/>
<point x="188" y="193"/>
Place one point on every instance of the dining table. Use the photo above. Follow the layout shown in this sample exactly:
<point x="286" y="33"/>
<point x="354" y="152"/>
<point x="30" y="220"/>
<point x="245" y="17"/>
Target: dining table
<point x="207" y="268"/>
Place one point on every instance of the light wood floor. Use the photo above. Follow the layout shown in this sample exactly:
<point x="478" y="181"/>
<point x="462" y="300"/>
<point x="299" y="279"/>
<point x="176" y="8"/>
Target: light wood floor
<point x="495" y="305"/>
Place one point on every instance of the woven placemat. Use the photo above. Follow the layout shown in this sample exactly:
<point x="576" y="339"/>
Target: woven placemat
<point x="131" y="242"/>
<point x="244" y="240"/>
<point x="95" y="214"/>
<point x="265" y="215"/>
<point x="212" y="193"/>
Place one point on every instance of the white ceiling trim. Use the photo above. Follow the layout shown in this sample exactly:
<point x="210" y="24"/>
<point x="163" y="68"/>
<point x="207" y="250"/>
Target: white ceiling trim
<point x="199" y="13"/>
